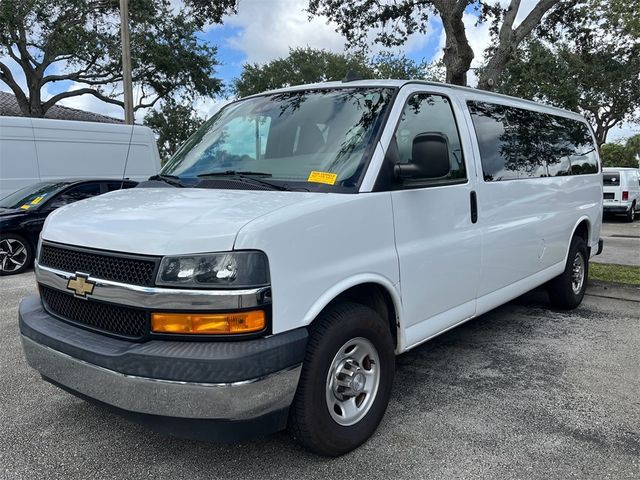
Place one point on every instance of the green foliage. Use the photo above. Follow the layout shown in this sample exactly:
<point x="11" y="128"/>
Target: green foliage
<point x="303" y="65"/>
<point x="78" y="41"/>
<point x="621" y="155"/>
<point x="590" y="64"/>
<point x="308" y="65"/>
<point x="173" y="124"/>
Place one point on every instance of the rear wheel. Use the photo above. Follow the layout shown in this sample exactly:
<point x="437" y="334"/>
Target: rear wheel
<point x="631" y="214"/>
<point x="566" y="291"/>
<point x="346" y="380"/>
<point x="16" y="254"/>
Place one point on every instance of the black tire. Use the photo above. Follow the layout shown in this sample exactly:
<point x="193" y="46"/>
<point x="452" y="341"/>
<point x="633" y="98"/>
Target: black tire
<point x="563" y="291"/>
<point x="310" y="421"/>
<point x="631" y="214"/>
<point x="10" y="253"/>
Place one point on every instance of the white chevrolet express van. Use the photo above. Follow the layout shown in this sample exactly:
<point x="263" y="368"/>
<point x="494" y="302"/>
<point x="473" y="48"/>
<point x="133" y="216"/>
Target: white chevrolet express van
<point x="621" y="191"/>
<point x="33" y="150"/>
<point x="298" y="242"/>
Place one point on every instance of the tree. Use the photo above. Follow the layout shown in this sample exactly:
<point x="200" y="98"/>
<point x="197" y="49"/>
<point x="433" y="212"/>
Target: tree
<point x="173" y="124"/>
<point x="78" y="42"/>
<point x="621" y="155"/>
<point x="592" y="65"/>
<point x="303" y="65"/>
<point x="308" y="65"/>
<point x="395" y="21"/>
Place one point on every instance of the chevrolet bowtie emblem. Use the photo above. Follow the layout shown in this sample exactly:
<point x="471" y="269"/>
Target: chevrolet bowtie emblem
<point x="81" y="285"/>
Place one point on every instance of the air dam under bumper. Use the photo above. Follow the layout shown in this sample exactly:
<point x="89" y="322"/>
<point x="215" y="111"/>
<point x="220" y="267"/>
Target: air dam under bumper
<point x="221" y="381"/>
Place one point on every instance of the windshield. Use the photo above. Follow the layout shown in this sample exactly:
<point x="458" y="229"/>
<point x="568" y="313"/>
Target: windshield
<point x="319" y="137"/>
<point x="31" y="196"/>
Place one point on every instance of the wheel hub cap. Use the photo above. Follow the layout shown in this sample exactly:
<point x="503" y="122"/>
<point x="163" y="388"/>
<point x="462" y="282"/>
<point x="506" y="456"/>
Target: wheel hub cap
<point x="577" y="273"/>
<point x="13" y="254"/>
<point x="352" y="381"/>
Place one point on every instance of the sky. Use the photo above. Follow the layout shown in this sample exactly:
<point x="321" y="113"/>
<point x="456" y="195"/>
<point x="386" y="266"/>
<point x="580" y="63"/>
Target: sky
<point x="263" y="30"/>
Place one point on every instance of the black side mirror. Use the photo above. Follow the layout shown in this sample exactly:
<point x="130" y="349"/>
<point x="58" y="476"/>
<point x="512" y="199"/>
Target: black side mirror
<point x="429" y="158"/>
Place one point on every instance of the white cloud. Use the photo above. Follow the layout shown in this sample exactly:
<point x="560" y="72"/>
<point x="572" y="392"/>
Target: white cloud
<point x="269" y="28"/>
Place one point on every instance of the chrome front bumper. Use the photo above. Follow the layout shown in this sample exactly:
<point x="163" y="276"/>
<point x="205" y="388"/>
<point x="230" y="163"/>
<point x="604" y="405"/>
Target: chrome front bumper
<point x="222" y="401"/>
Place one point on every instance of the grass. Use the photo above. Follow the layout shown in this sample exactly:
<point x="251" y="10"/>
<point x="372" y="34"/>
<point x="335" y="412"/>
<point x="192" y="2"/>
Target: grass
<point x="614" y="273"/>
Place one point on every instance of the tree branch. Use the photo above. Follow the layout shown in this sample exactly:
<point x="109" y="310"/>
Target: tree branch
<point x="7" y="77"/>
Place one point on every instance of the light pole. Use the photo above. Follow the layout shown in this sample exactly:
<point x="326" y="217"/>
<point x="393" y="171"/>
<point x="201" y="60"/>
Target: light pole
<point x="126" y="62"/>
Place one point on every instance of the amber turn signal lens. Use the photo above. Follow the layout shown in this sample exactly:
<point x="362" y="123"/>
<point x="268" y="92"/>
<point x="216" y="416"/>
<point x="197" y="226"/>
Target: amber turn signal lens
<point x="208" y="323"/>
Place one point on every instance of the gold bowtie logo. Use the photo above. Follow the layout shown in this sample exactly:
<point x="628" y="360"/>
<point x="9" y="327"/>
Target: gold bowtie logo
<point x="81" y="285"/>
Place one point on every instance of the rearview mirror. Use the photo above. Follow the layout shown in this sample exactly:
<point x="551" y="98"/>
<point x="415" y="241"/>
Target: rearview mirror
<point x="429" y="158"/>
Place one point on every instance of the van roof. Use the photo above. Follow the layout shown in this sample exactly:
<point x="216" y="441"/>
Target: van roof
<point x="617" y="169"/>
<point x="401" y="83"/>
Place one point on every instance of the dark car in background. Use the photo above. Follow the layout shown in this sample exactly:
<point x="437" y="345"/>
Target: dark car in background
<point x="22" y="215"/>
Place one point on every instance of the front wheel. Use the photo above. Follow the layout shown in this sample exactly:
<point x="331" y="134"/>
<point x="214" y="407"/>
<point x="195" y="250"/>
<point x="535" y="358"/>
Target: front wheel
<point x="566" y="291"/>
<point x="16" y="254"/>
<point x="346" y="380"/>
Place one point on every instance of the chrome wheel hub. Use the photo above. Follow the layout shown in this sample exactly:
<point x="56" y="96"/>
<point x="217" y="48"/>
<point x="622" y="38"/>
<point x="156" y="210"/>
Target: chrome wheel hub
<point x="13" y="255"/>
<point x="352" y="381"/>
<point x="577" y="273"/>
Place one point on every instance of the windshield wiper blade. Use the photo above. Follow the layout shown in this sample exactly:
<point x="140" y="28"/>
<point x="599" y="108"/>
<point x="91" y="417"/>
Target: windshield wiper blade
<point x="234" y="172"/>
<point x="170" y="179"/>
<point x="247" y="177"/>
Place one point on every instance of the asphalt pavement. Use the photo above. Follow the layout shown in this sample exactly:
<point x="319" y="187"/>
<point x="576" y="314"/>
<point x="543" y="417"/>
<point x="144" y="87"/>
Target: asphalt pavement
<point x="521" y="392"/>
<point x="621" y="242"/>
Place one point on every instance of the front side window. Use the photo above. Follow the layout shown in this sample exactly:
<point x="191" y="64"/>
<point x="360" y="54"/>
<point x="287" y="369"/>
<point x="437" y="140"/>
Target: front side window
<point x="79" y="192"/>
<point x="316" y="138"/>
<point x="428" y="114"/>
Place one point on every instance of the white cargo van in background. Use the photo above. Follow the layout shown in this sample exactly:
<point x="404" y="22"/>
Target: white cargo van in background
<point x="38" y="149"/>
<point x="621" y="191"/>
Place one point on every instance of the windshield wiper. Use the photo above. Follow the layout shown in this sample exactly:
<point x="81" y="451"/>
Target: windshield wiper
<point x="234" y="172"/>
<point x="247" y="177"/>
<point x="170" y="179"/>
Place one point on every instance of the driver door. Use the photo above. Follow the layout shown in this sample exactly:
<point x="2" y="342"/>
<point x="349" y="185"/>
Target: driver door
<point x="437" y="237"/>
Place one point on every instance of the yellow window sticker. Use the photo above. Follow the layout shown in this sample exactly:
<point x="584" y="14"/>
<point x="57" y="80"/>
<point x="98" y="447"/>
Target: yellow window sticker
<point x="322" y="177"/>
<point x="37" y="200"/>
<point x="26" y="206"/>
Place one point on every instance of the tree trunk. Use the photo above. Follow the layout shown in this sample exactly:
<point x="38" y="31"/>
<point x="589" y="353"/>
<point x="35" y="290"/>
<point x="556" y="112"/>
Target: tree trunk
<point x="458" y="54"/>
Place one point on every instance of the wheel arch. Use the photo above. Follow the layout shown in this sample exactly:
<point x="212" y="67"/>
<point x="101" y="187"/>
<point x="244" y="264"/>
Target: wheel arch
<point x="582" y="228"/>
<point x="374" y="291"/>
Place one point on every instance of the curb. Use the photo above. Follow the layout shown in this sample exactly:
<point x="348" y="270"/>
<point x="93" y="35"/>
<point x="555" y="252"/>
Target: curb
<point x="618" y="291"/>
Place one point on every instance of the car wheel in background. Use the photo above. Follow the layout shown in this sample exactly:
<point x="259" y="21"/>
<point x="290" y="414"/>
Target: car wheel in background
<point x="631" y="214"/>
<point x="346" y="380"/>
<point x="16" y="254"/>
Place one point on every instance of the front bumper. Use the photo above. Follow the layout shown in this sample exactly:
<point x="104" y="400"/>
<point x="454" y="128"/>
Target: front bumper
<point x="229" y="381"/>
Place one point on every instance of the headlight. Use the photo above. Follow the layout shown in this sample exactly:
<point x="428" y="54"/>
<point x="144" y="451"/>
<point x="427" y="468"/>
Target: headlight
<point x="231" y="269"/>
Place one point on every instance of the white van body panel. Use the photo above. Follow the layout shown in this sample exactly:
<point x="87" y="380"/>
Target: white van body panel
<point x="38" y="149"/>
<point x="341" y="239"/>
<point x="164" y="221"/>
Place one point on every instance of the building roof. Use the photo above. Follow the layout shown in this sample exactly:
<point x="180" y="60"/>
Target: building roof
<point x="9" y="108"/>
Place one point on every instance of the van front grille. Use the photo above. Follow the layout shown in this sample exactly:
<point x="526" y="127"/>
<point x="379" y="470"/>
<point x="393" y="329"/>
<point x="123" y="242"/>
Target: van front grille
<point x="115" y="267"/>
<point x="113" y="319"/>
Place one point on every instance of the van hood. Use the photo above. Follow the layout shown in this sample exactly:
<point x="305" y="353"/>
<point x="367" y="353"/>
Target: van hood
<point x="164" y="221"/>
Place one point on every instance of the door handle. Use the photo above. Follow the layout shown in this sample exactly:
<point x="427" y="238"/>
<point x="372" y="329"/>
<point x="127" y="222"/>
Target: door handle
<point x="474" y="207"/>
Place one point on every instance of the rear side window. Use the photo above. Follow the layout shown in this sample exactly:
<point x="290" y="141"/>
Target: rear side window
<point x="611" y="179"/>
<point x="517" y="144"/>
<point x="111" y="186"/>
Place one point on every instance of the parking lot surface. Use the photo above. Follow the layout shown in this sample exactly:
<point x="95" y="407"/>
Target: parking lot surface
<point x="521" y="392"/>
<point x="621" y="242"/>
